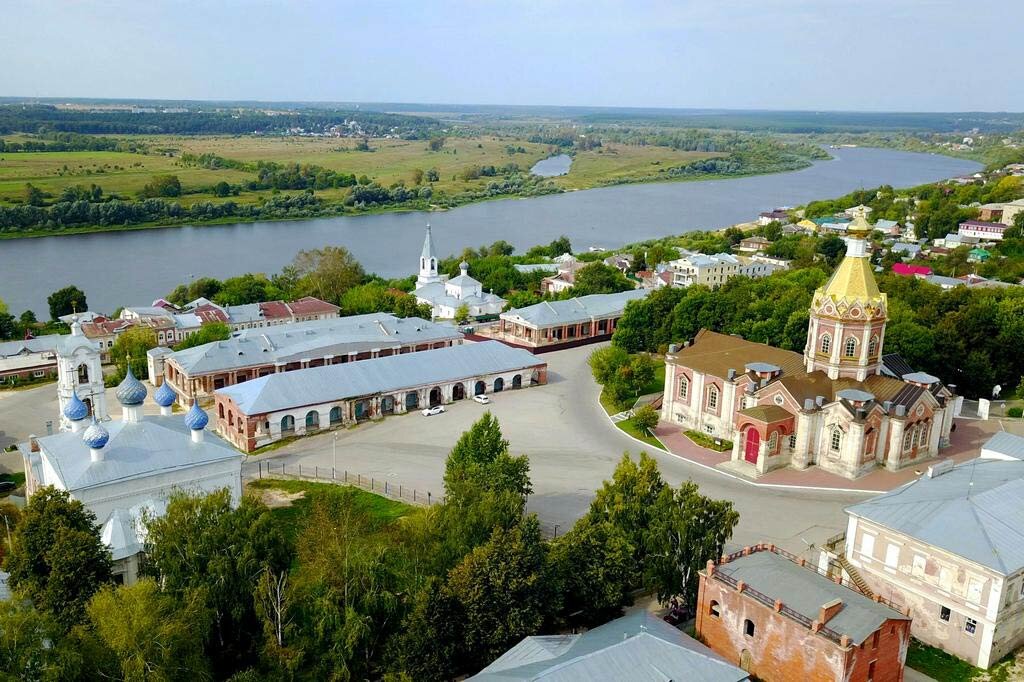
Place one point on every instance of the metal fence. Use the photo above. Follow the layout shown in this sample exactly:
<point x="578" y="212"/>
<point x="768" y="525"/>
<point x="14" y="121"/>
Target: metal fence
<point x="317" y="474"/>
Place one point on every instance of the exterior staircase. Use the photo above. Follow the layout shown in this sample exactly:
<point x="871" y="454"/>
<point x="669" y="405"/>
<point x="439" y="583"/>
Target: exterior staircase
<point x="855" y="576"/>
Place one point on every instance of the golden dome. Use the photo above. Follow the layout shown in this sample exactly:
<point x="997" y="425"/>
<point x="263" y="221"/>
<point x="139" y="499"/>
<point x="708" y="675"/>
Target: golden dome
<point x="859" y="228"/>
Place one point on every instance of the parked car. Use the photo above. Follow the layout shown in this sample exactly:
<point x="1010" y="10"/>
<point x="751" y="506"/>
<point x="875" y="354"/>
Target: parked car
<point x="482" y="399"/>
<point x="437" y="409"/>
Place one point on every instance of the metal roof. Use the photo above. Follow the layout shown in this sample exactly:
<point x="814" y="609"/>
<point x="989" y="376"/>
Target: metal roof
<point x="639" y="647"/>
<point x="137" y="449"/>
<point x="806" y="591"/>
<point x="1003" y="445"/>
<point x="573" y="310"/>
<point x="975" y="510"/>
<point x="40" y="344"/>
<point x="313" y="339"/>
<point x="317" y="385"/>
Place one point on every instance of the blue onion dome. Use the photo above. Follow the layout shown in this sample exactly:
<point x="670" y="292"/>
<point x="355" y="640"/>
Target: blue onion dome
<point x="130" y="391"/>
<point x="196" y="418"/>
<point x="165" y="395"/>
<point x="76" y="410"/>
<point x="95" y="436"/>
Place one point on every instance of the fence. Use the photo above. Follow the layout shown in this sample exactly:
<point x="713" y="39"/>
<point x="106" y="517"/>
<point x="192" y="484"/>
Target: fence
<point x="395" y="491"/>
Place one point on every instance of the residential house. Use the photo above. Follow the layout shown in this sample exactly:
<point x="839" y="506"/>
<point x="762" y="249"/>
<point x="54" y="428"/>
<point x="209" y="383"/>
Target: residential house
<point x="623" y="262"/>
<point x="978" y="255"/>
<point x="779" y="215"/>
<point x="1011" y="211"/>
<point x="753" y="244"/>
<point x="906" y="250"/>
<point x="889" y="228"/>
<point x="980" y="229"/>
<point x="858" y="210"/>
<point x="28" y="359"/>
<point x="697" y="268"/>
<point x="907" y="270"/>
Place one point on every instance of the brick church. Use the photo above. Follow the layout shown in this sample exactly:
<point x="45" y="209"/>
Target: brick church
<point x="843" y="405"/>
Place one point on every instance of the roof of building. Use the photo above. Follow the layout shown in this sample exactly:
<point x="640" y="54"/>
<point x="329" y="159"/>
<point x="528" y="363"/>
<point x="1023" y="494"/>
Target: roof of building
<point x="40" y="344"/>
<point x="536" y="267"/>
<point x="330" y="383"/>
<point x="905" y="247"/>
<point x="943" y="281"/>
<point x="580" y="309"/>
<point x="638" y="647"/>
<point x="852" y="280"/>
<point x="767" y="413"/>
<point x="313" y="339"/>
<point x="1003" y="445"/>
<point x="132" y="449"/>
<point x="974" y="510"/>
<point x="908" y="269"/>
<point x="806" y="591"/>
<point x="999" y="227"/>
<point x="428" y="246"/>
<point x="895" y="365"/>
<point x="310" y="305"/>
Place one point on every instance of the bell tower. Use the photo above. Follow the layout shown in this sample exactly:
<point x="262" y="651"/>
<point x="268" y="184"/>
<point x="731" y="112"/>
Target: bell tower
<point x="80" y="373"/>
<point x="428" y="262"/>
<point x="848" y="314"/>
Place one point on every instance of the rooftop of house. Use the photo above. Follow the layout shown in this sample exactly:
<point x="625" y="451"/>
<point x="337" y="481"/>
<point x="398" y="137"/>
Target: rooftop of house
<point x="974" y="510"/>
<point x="807" y="592"/>
<point x="40" y="344"/>
<point x="983" y="223"/>
<point x="573" y="310"/>
<point x="639" y="647"/>
<point x="317" y="385"/>
<point x="1003" y="445"/>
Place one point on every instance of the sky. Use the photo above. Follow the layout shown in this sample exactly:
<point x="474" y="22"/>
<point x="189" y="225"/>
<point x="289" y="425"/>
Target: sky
<point x="872" y="55"/>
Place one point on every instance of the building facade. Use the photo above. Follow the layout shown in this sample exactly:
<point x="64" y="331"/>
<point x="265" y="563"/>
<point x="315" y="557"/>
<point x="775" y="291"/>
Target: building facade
<point x="832" y="406"/>
<point x="980" y="229"/>
<point x="778" y="618"/>
<point x="265" y="410"/>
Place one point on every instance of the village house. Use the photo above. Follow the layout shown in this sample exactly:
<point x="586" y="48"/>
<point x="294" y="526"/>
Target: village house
<point x="28" y="360"/>
<point x="697" y="268"/>
<point x="907" y="270"/>
<point x="832" y="406"/>
<point x="1011" y="210"/>
<point x="779" y="215"/>
<point x="950" y="547"/>
<point x="780" y="619"/>
<point x="753" y="244"/>
<point x="306" y="401"/>
<point x="906" y="250"/>
<point x="195" y="373"/>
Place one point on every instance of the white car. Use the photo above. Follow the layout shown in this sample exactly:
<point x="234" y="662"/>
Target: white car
<point x="482" y="399"/>
<point x="437" y="409"/>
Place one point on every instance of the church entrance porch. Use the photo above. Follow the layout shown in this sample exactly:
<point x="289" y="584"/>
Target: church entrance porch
<point x="762" y="431"/>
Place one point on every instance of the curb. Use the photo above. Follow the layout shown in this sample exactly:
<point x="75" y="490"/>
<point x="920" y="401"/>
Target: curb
<point x="726" y="474"/>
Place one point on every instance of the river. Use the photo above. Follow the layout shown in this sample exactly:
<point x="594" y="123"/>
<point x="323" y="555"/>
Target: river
<point x="552" y="166"/>
<point x="133" y="268"/>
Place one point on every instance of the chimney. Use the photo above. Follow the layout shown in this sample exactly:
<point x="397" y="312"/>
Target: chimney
<point x="808" y="405"/>
<point x="901" y="410"/>
<point x="829" y="609"/>
<point x="819" y="400"/>
<point x="731" y="374"/>
<point x="887" y="406"/>
<point x="673" y="348"/>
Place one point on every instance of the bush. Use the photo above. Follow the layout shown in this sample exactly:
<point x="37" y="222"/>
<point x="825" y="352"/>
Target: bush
<point x="709" y="442"/>
<point x="1015" y="412"/>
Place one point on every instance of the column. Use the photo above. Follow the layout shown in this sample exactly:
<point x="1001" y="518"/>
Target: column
<point x="896" y="429"/>
<point x="801" y="455"/>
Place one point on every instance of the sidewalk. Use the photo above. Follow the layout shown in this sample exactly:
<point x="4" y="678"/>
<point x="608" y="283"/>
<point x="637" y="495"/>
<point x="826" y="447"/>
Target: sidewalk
<point x="965" y="442"/>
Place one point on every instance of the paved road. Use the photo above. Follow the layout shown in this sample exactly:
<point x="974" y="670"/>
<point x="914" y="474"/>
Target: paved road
<point x="572" y="449"/>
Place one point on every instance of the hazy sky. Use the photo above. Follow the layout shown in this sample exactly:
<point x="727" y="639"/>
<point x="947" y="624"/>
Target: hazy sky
<point x="928" y="55"/>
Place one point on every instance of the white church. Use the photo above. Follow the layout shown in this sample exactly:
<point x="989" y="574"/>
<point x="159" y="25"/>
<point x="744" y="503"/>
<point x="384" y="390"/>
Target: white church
<point x="124" y="469"/>
<point x="445" y="295"/>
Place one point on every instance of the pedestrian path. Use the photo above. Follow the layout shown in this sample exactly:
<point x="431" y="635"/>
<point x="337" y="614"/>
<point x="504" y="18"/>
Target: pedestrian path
<point x="622" y="416"/>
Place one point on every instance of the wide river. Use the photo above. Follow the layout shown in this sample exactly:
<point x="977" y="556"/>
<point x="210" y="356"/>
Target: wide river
<point x="133" y="268"/>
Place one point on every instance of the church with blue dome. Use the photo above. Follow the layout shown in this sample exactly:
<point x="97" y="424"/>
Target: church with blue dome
<point x="123" y="469"/>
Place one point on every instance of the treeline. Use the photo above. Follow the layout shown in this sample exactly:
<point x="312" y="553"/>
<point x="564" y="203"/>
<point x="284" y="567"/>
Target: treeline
<point x="71" y="142"/>
<point x="345" y="585"/>
<point x="960" y="335"/>
<point x="240" y="121"/>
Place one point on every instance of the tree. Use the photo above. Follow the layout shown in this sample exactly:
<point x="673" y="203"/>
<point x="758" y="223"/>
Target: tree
<point x="462" y="314"/>
<point x="327" y="273"/>
<point x="627" y="501"/>
<point x="833" y="248"/>
<point x="57" y="559"/>
<point x="26" y="642"/>
<point x="417" y="176"/>
<point x="504" y="591"/>
<point x="8" y="327"/>
<point x="153" y="635"/>
<point x="162" y="186"/>
<point x="28" y="318"/>
<point x="247" y="288"/>
<point x="430" y="646"/>
<point x="598" y="278"/>
<point x="481" y="457"/>
<point x="222" y="189"/>
<point x="33" y="195"/>
<point x="433" y="175"/>
<point x="3" y="307"/>
<point x="186" y="553"/>
<point x="645" y="418"/>
<point x="65" y="301"/>
<point x="593" y="564"/>
<point x="559" y="247"/>
<point x="436" y="143"/>
<point x="208" y="333"/>
<point x="132" y="344"/>
<point x="684" y="530"/>
<point x="605" y="363"/>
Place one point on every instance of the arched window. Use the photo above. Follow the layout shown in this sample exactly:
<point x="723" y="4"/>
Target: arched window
<point x="231" y="418"/>
<point x="826" y="343"/>
<point x="836" y="440"/>
<point x="83" y="374"/>
<point x="287" y="423"/>
<point x="220" y="410"/>
<point x="915" y="436"/>
<point x="714" y="610"/>
<point x="713" y="398"/>
<point x="850" y="349"/>
<point x="873" y="346"/>
<point x="907" y="439"/>
<point x="684" y="388"/>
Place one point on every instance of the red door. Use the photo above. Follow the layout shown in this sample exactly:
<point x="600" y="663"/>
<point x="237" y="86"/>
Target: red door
<point x="753" y="444"/>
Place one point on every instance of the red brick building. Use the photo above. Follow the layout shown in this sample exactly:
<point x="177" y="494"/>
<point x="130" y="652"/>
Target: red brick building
<point x="778" y="618"/>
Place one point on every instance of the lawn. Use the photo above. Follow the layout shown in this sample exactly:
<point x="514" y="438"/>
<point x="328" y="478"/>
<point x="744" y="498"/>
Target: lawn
<point x="948" y="668"/>
<point x="381" y="509"/>
<point x="615" y="162"/>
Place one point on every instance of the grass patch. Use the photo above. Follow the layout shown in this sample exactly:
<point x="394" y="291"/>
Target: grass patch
<point x="629" y="427"/>
<point x="381" y="509"/>
<point x="18" y="478"/>
<point x="706" y="441"/>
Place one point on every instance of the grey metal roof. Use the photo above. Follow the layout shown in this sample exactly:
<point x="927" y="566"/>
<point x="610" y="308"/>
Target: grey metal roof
<point x="134" y="449"/>
<point x="806" y="591"/>
<point x="920" y="378"/>
<point x="975" y="510"/>
<point x="40" y="344"/>
<point x="536" y="267"/>
<point x="1004" y="444"/>
<point x="943" y="281"/>
<point x="317" y="385"/>
<point x="313" y="339"/>
<point x="639" y="647"/>
<point x="573" y="310"/>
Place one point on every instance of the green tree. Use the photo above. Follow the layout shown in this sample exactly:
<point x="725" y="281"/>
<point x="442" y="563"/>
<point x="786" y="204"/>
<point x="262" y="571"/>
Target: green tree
<point x="33" y="195"/>
<point x="247" y="288"/>
<point x="462" y="314"/>
<point x="627" y="501"/>
<point x="559" y="246"/>
<point x="504" y="589"/>
<point x="8" y="326"/>
<point x="481" y="459"/>
<point x="605" y="363"/>
<point x="594" y="571"/>
<point x="430" y="646"/>
<point x="162" y="186"/>
<point x="327" y="273"/>
<point x="222" y="189"/>
<point x="598" y="278"/>
<point x="186" y="554"/>
<point x="208" y="333"/>
<point x="833" y="248"/>
<point x="65" y="301"/>
<point x="57" y="559"/>
<point x="133" y="343"/>
<point x="154" y="636"/>
<point x="417" y="176"/>
<point x="435" y="144"/>
<point x="433" y="175"/>
<point x="645" y="419"/>
<point x="684" y="530"/>
<point x="26" y="642"/>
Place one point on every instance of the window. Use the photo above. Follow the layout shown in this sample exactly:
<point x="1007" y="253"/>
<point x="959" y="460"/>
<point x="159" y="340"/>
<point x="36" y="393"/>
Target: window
<point x="913" y="436"/>
<point x="792" y="442"/>
<point x="708" y="428"/>
<point x="850" y="349"/>
<point x="873" y="346"/>
<point x="874" y="639"/>
<point x="715" y="611"/>
<point x="826" y="343"/>
<point x="917" y="567"/>
<point x="971" y="626"/>
<point x="748" y="628"/>
<point x="867" y="545"/>
<point x="892" y="555"/>
<point x="906" y="439"/>
<point x="773" y="442"/>
<point x="871" y="666"/>
<point x="836" y="439"/>
<point x="684" y="388"/>
<point x="38" y="374"/>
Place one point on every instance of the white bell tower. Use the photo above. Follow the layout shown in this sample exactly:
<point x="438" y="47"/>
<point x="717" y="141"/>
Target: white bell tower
<point x="79" y="371"/>
<point x="428" y="262"/>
